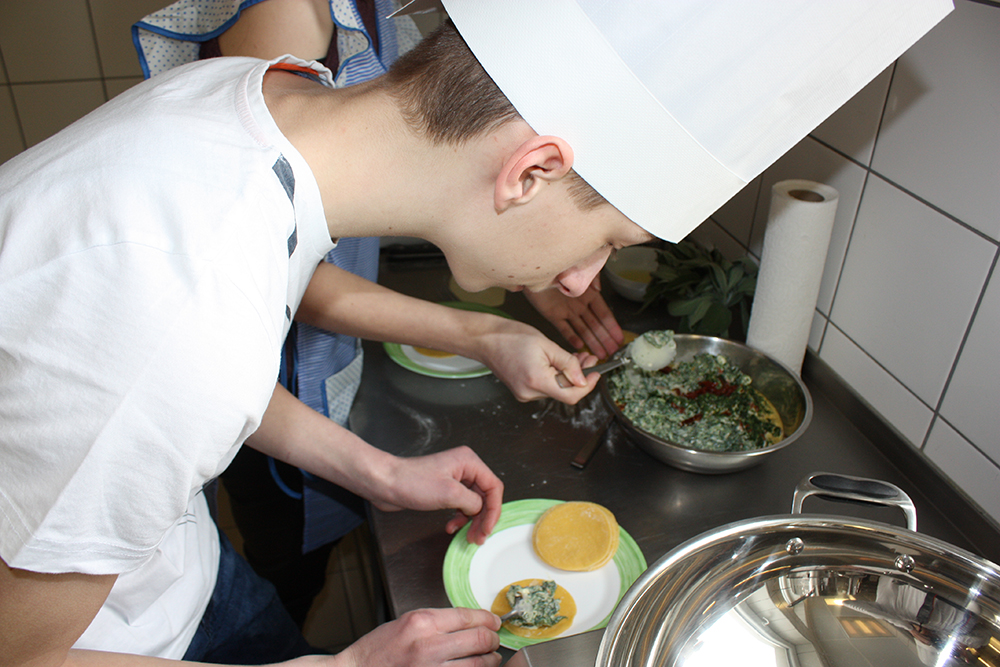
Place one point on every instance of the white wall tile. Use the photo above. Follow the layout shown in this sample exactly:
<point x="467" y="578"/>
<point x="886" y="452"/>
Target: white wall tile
<point x="939" y="138"/>
<point x="911" y="280"/>
<point x="711" y="235"/>
<point x="46" y="108"/>
<point x="883" y="392"/>
<point x="47" y="40"/>
<point x="11" y="142"/>
<point x="852" y="128"/>
<point x="968" y="468"/>
<point x="812" y="161"/>
<point x="736" y="215"/>
<point x="113" y="21"/>
<point x="973" y="398"/>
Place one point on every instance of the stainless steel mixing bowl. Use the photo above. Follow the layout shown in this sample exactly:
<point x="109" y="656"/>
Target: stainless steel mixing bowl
<point x="777" y="382"/>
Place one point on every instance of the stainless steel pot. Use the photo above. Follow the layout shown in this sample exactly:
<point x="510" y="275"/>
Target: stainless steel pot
<point x="811" y="590"/>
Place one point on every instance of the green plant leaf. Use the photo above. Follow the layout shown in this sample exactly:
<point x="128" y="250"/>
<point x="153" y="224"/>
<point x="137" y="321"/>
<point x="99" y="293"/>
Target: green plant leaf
<point x="746" y="287"/>
<point x="736" y="274"/>
<point x="702" y="288"/>
<point x="716" y="320"/>
<point x="684" y="307"/>
<point x="720" y="278"/>
<point x="702" y="307"/>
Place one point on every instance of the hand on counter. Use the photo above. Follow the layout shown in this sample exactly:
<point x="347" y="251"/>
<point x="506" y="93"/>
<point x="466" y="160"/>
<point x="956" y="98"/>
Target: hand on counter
<point x="428" y="638"/>
<point x="583" y="320"/>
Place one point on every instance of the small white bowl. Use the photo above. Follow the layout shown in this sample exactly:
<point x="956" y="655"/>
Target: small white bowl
<point x="629" y="271"/>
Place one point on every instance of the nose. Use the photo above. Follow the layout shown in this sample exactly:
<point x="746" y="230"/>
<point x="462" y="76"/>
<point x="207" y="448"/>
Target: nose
<point x="575" y="280"/>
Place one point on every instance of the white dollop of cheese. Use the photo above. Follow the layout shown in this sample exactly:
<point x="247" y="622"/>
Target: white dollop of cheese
<point x="653" y="350"/>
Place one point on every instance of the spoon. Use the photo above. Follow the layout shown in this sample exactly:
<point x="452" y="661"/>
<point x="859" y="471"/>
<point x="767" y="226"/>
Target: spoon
<point x="521" y="605"/>
<point x="651" y="351"/>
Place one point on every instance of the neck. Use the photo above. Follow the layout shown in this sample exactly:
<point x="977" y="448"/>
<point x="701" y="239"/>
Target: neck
<point x="376" y="175"/>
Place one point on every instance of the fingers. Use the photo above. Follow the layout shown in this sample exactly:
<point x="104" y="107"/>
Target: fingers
<point x="455" y="636"/>
<point x="574" y="380"/>
<point x="571" y="367"/>
<point x="492" y="505"/>
<point x="584" y="320"/>
<point x="456" y="523"/>
<point x="593" y="322"/>
<point x="569" y="329"/>
<point x="477" y="494"/>
<point x="431" y="638"/>
<point x="602" y="333"/>
<point x="607" y="322"/>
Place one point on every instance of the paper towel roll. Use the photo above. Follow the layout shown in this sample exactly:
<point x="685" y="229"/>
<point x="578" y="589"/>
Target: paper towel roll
<point x="791" y="267"/>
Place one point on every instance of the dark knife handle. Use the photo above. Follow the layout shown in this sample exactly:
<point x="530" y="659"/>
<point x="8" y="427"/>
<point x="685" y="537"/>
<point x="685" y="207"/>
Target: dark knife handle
<point x="589" y="448"/>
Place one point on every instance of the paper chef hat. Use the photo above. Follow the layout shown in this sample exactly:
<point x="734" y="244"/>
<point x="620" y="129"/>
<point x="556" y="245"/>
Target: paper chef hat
<point x="672" y="106"/>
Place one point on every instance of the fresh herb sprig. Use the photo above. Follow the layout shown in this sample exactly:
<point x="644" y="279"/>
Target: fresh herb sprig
<point x="703" y="288"/>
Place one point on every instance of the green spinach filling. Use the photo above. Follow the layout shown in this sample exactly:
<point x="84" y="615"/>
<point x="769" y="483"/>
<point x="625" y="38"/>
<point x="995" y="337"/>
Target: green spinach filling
<point x="707" y="403"/>
<point x="538" y="604"/>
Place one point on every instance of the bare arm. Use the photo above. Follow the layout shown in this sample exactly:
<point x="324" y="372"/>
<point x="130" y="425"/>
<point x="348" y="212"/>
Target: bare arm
<point x="520" y="355"/>
<point x="42" y="616"/>
<point x="270" y="29"/>
<point x="453" y="479"/>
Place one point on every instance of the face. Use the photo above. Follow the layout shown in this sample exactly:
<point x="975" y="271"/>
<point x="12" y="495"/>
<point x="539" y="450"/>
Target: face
<point x="553" y="245"/>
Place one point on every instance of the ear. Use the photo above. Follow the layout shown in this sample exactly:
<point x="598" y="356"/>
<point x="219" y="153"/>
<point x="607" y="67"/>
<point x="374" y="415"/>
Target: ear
<point x="537" y="161"/>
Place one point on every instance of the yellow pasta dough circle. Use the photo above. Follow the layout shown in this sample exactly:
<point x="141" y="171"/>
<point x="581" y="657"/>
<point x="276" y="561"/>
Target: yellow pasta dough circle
<point x="577" y="536"/>
<point x="567" y="608"/>
<point x="431" y="352"/>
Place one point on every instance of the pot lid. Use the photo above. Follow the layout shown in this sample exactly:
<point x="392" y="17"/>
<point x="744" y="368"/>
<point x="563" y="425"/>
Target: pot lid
<point x="809" y="590"/>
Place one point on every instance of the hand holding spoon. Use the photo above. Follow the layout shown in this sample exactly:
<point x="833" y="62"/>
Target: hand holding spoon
<point x="651" y="351"/>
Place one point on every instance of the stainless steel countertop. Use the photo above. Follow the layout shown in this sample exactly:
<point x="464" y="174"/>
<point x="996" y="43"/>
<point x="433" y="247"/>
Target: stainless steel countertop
<point x="530" y="445"/>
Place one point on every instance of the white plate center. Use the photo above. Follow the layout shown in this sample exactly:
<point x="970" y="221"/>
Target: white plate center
<point x="508" y="557"/>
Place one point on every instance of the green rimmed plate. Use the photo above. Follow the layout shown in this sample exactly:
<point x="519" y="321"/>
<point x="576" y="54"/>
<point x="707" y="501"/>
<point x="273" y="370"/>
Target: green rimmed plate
<point x="473" y="575"/>
<point x="453" y="367"/>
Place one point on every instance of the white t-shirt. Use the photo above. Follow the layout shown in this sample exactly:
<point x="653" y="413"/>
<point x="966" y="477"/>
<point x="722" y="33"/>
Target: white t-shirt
<point x="151" y="257"/>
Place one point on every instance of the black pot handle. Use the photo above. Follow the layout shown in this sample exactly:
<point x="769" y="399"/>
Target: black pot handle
<point x="854" y="489"/>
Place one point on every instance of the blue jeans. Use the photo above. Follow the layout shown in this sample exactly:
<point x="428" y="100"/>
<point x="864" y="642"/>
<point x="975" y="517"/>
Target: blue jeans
<point x="245" y="622"/>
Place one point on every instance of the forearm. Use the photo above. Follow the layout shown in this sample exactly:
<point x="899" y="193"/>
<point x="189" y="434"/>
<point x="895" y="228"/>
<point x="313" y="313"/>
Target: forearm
<point x="292" y="432"/>
<point x="518" y="354"/>
<point x="103" y="659"/>
<point x="340" y="301"/>
<point x="452" y="479"/>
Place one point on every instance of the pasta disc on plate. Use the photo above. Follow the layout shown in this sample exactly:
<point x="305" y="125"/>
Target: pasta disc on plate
<point x="578" y="536"/>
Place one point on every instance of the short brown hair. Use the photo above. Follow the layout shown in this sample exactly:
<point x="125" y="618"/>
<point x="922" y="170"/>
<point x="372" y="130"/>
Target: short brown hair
<point x="445" y="95"/>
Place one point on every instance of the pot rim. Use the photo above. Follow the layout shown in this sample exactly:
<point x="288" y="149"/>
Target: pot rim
<point x="674" y="591"/>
